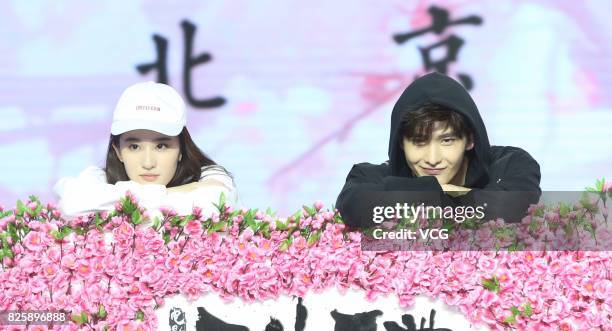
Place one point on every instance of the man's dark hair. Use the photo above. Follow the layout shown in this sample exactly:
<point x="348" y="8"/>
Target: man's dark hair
<point x="188" y="170"/>
<point x="418" y="124"/>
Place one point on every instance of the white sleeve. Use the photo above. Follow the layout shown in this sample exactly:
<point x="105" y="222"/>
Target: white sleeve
<point x="89" y="192"/>
<point x="204" y="197"/>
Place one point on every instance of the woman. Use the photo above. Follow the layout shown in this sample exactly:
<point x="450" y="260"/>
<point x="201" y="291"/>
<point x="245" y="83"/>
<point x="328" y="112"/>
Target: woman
<point x="151" y="154"/>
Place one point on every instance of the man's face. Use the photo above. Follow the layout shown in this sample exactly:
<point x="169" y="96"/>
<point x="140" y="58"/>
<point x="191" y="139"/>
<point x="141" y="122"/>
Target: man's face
<point x="442" y="156"/>
<point x="149" y="157"/>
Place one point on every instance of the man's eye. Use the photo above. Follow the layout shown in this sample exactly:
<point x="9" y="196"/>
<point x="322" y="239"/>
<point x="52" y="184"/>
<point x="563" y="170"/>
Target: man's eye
<point x="448" y="141"/>
<point x="419" y="142"/>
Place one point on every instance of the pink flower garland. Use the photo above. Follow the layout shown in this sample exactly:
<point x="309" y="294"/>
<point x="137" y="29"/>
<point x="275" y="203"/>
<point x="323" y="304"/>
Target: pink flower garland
<point x="118" y="281"/>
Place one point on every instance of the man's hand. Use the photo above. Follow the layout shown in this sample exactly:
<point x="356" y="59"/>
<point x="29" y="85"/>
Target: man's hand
<point x="454" y="190"/>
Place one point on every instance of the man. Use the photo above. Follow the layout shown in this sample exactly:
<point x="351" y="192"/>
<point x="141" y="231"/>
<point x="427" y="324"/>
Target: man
<point x="439" y="143"/>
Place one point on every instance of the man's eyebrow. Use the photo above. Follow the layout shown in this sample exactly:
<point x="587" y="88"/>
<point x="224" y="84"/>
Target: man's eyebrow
<point x="447" y="135"/>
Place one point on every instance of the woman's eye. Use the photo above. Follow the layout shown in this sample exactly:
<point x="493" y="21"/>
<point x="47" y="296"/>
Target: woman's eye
<point x="162" y="146"/>
<point x="133" y="147"/>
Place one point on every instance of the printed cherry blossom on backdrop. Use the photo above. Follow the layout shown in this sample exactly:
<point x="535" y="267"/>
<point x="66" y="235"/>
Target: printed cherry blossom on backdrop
<point x="289" y="94"/>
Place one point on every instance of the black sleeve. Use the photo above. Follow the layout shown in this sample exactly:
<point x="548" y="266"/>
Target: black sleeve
<point x="365" y="188"/>
<point x="508" y="196"/>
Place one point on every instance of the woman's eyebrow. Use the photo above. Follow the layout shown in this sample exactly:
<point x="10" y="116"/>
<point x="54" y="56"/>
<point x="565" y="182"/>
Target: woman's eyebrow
<point x="162" y="139"/>
<point x="132" y="140"/>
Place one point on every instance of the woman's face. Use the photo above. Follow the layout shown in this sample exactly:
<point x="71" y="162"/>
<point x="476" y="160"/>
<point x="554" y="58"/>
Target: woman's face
<point x="149" y="157"/>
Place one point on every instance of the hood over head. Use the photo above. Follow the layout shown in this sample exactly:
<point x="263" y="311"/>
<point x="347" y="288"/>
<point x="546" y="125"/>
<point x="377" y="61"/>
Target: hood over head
<point x="440" y="89"/>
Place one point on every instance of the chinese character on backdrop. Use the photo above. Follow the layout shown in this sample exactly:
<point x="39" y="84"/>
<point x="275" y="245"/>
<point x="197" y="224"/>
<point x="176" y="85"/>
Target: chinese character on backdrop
<point x="189" y="62"/>
<point x="452" y="44"/>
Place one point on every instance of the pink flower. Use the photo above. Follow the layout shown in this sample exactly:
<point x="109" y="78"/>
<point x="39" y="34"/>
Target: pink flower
<point x="487" y="264"/>
<point x="193" y="228"/>
<point x="318" y="205"/>
<point x="607" y="186"/>
<point x="5" y="221"/>
<point x="35" y="241"/>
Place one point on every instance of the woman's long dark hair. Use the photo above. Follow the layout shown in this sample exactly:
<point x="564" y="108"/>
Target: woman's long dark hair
<point x="188" y="170"/>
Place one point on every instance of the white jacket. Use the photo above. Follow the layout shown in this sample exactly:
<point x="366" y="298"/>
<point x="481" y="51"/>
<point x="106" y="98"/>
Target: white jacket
<point x="89" y="192"/>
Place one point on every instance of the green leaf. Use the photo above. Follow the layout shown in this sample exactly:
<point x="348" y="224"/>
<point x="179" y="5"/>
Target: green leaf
<point x="128" y="207"/>
<point x="20" y="208"/>
<point x="156" y="223"/>
<point x="101" y="311"/>
<point x="569" y="230"/>
<point x="12" y="231"/>
<point x="186" y="220"/>
<point x="38" y="209"/>
<point x="515" y="311"/>
<point x="79" y="230"/>
<point x="534" y="225"/>
<point x="281" y="226"/>
<point x="527" y="310"/>
<point x="221" y="205"/>
<point x="136" y="217"/>
<point x="310" y="210"/>
<point x="510" y="319"/>
<point x="266" y="232"/>
<point x="297" y="216"/>
<point x="314" y="237"/>
<point x="166" y="237"/>
<point x="600" y="184"/>
<point x="140" y="315"/>
<point x="564" y="209"/>
<point x="80" y="318"/>
<point x="491" y="284"/>
<point x="539" y="212"/>
<point x="284" y="245"/>
<point x="216" y="227"/>
<point x="77" y="319"/>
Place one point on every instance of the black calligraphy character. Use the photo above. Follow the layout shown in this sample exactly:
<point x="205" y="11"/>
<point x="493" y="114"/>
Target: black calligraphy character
<point x="189" y="62"/>
<point x="408" y="321"/>
<point x="177" y="319"/>
<point x="440" y="21"/>
<point x="365" y="321"/>
<point x="161" y="47"/>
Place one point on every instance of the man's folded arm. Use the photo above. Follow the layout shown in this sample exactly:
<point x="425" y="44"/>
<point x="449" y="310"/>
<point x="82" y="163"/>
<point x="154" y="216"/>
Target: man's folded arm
<point x="510" y="195"/>
<point x="364" y="190"/>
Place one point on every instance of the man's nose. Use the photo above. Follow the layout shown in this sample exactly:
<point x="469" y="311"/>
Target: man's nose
<point x="433" y="156"/>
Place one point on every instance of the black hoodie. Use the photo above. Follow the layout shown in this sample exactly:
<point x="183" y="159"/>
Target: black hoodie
<point x="490" y="169"/>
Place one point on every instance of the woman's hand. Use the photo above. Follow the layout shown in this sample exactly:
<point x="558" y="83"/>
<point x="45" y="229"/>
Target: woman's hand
<point x="210" y="182"/>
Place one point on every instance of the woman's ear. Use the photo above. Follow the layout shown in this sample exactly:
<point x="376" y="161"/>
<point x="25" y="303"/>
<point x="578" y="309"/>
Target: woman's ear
<point x="118" y="153"/>
<point x="180" y="157"/>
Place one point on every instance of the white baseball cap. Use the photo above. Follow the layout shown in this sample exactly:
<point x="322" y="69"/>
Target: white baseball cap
<point x="150" y="106"/>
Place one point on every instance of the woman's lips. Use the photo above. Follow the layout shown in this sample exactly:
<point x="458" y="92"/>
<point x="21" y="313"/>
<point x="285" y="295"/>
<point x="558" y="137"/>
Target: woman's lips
<point x="149" y="178"/>
<point x="433" y="171"/>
